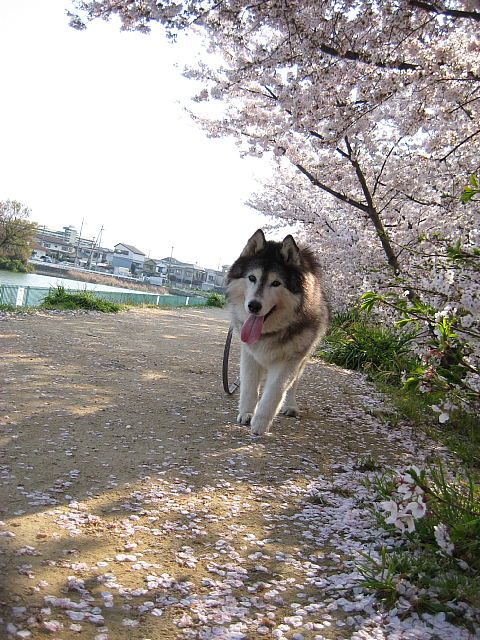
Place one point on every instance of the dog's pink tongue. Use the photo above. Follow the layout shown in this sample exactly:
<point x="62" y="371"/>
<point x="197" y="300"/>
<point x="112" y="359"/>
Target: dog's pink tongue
<point x="252" y="329"/>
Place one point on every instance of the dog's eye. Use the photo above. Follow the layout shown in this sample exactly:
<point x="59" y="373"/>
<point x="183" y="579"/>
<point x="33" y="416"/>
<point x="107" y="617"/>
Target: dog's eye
<point x="252" y="278"/>
<point x="276" y="283"/>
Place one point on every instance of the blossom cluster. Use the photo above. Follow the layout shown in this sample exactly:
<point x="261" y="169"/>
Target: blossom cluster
<point x="409" y="504"/>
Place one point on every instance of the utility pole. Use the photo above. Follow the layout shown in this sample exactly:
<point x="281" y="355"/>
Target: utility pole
<point x="96" y="244"/>
<point x="170" y="268"/>
<point x="78" y="243"/>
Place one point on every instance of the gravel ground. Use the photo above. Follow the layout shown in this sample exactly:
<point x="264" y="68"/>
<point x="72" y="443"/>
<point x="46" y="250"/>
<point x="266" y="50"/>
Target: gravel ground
<point x="132" y="507"/>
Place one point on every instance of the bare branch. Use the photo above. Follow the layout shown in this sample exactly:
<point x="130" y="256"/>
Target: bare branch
<point x="332" y="192"/>
<point x="443" y="11"/>
<point x="456" y="147"/>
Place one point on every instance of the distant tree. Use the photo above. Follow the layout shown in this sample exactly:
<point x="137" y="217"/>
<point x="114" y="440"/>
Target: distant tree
<point x="16" y="231"/>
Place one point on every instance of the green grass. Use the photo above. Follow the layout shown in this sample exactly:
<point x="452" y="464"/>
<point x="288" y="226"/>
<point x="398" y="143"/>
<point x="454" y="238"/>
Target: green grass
<point x="455" y="503"/>
<point x="63" y="300"/>
<point x="461" y="434"/>
<point x="355" y="342"/>
<point x="380" y="576"/>
<point x="385" y="355"/>
<point x="441" y="579"/>
<point x="367" y="463"/>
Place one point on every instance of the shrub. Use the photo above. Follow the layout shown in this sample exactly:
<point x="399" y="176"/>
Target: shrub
<point x="448" y="366"/>
<point x="61" y="299"/>
<point x="355" y="343"/>
<point x="14" y="265"/>
<point x="215" y="300"/>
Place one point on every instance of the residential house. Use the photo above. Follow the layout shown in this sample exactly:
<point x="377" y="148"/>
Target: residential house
<point x="126" y="259"/>
<point x="156" y="271"/>
<point x="215" y="279"/>
<point x="184" y="273"/>
<point x="95" y="258"/>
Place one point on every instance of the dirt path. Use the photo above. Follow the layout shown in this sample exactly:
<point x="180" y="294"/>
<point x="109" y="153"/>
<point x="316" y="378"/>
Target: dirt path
<point x="132" y="507"/>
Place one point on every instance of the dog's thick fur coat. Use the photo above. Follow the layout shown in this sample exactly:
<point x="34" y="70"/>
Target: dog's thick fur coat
<point x="277" y="306"/>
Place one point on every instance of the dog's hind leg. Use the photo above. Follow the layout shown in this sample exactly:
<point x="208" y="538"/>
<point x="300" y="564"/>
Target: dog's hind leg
<point x="250" y="378"/>
<point x="290" y="407"/>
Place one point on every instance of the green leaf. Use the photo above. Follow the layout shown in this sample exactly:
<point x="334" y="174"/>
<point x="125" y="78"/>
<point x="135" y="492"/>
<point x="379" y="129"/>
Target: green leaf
<point x="468" y="194"/>
<point x="404" y="321"/>
<point x="471" y="190"/>
<point x="368" y="300"/>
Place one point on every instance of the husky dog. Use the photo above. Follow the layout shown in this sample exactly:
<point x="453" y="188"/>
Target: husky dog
<point x="277" y="305"/>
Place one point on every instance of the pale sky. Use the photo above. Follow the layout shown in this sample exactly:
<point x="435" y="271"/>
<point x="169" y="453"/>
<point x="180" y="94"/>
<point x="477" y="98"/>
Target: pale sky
<point x="92" y="126"/>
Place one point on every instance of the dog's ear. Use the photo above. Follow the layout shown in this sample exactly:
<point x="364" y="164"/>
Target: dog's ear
<point x="254" y="245"/>
<point x="289" y="251"/>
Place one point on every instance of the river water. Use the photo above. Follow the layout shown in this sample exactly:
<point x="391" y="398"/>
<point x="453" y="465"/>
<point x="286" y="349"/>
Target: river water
<point x="35" y="280"/>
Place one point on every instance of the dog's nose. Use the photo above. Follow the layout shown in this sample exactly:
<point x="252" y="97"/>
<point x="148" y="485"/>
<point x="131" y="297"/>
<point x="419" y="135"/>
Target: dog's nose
<point x="254" y="306"/>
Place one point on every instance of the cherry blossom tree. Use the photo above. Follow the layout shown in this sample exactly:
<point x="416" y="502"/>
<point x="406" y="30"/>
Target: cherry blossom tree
<point x="371" y="112"/>
<point x="376" y="104"/>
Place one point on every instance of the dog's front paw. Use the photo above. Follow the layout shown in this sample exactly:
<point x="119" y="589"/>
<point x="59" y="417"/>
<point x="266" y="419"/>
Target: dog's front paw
<point x="244" y="417"/>
<point x="259" y="426"/>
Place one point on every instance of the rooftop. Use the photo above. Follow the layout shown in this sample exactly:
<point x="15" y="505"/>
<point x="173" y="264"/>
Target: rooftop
<point x="130" y="248"/>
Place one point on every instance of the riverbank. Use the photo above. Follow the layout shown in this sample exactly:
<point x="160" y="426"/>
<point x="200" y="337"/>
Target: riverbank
<point x="96" y="278"/>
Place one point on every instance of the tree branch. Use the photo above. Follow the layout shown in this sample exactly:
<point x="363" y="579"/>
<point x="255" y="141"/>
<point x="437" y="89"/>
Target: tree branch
<point x="467" y="139"/>
<point x="357" y="57"/>
<point x="442" y="11"/>
<point x="373" y="213"/>
<point x="332" y="192"/>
